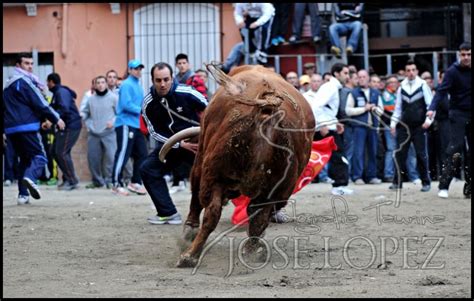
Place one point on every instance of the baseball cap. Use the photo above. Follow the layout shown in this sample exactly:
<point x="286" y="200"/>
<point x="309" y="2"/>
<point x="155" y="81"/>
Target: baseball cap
<point x="308" y="65"/>
<point x="304" y="79"/>
<point x="135" y="64"/>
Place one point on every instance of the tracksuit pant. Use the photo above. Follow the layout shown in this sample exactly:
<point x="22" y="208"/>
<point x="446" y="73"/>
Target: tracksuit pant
<point x="418" y="136"/>
<point x="339" y="169"/>
<point x="100" y="156"/>
<point x="29" y="148"/>
<point x="63" y="143"/>
<point x="152" y="172"/>
<point x="130" y="142"/>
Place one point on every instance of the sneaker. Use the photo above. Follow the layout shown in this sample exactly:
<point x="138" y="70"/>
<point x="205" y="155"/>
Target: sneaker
<point x="52" y="182"/>
<point x="327" y="180"/>
<point x="292" y="40"/>
<point x="388" y="180"/>
<point x="349" y="50"/>
<point x="425" y="188"/>
<point x="23" y="200"/>
<point x="137" y="188"/>
<point x="359" y="182"/>
<point x="336" y="51"/>
<point x="375" y="181"/>
<point x="416" y="181"/>
<point x="120" y="191"/>
<point x="316" y="39"/>
<point x="466" y="190"/>
<point x="275" y="42"/>
<point x="32" y="188"/>
<point x="279" y="217"/>
<point x="443" y="193"/>
<point x="93" y="185"/>
<point x="7" y="183"/>
<point x="341" y="190"/>
<point x="68" y="186"/>
<point x="261" y="56"/>
<point x="281" y="39"/>
<point x="394" y="187"/>
<point x="174" y="219"/>
<point x="180" y="187"/>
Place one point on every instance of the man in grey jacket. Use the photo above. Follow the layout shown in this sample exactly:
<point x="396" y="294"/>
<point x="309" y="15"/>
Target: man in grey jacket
<point x="99" y="116"/>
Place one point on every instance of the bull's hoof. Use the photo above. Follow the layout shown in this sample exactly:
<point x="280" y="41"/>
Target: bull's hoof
<point x="186" y="261"/>
<point x="190" y="233"/>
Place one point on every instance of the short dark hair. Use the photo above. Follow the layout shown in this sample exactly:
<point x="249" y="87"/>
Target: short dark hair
<point x="160" y="66"/>
<point x="110" y="71"/>
<point x="100" y="76"/>
<point x="326" y="73"/>
<point x="55" y="78"/>
<point x="20" y="56"/>
<point x="465" y="46"/>
<point x="337" y="67"/>
<point x="410" y="62"/>
<point x="180" y="57"/>
<point x="202" y="70"/>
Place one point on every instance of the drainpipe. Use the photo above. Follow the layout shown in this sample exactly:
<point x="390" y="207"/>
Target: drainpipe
<point x="64" y="32"/>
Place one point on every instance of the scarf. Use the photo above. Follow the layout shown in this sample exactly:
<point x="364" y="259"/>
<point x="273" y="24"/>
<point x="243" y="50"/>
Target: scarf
<point x="36" y="81"/>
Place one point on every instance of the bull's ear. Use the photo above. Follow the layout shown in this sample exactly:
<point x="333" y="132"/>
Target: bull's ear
<point x="231" y="86"/>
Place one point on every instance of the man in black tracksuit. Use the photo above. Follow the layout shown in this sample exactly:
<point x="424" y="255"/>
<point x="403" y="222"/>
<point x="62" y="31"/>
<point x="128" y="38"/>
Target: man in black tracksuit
<point x="64" y="103"/>
<point x="456" y="82"/>
<point x="410" y="123"/>
<point x="168" y="108"/>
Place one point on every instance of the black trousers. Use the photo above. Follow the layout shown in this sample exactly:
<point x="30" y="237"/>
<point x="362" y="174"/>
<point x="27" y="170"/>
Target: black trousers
<point x="338" y="169"/>
<point x="298" y="19"/>
<point x="280" y="21"/>
<point x="63" y="143"/>
<point x="418" y="136"/>
<point x="459" y="142"/>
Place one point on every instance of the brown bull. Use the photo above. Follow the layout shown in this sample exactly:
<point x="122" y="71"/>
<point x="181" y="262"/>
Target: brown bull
<point x="255" y="140"/>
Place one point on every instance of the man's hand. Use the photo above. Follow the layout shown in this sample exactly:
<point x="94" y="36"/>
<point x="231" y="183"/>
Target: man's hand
<point x="339" y="128"/>
<point x="61" y="125"/>
<point x="241" y="25"/>
<point x="109" y="124"/>
<point x="324" y="131"/>
<point x="192" y="147"/>
<point x="426" y="125"/>
<point x="393" y="131"/>
<point x="253" y="25"/>
<point x="46" y="125"/>
<point x="369" y="106"/>
<point x="430" y="114"/>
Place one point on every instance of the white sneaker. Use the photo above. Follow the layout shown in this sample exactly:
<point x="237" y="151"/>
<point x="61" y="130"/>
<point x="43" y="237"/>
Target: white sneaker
<point x="23" y="200"/>
<point x="342" y="190"/>
<point x="375" y="181"/>
<point x="417" y="182"/>
<point x="443" y="193"/>
<point x="180" y="187"/>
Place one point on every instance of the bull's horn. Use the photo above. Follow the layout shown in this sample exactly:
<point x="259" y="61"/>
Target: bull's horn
<point x="231" y="86"/>
<point x="186" y="133"/>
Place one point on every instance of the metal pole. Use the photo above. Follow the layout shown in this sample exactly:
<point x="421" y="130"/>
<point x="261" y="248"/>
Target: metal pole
<point x="366" y="47"/>
<point x="35" y="60"/>
<point x="389" y="64"/>
<point x="322" y="64"/>
<point x="245" y="33"/>
<point x="299" y="62"/>
<point x="277" y="64"/>
<point x="435" y="69"/>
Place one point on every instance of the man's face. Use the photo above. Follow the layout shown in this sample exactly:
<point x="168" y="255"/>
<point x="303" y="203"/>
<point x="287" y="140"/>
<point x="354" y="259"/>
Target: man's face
<point x="292" y="78"/>
<point x="182" y="65"/>
<point x="343" y="76"/>
<point x="392" y="84"/>
<point x="316" y="82"/>
<point x="363" y="78"/>
<point x="411" y="72"/>
<point x="49" y="83"/>
<point x="27" y="64"/>
<point x="162" y="81"/>
<point x="465" y="56"/>
<point x="374" y="82"/>
<point x="354" y="80"/>
<point x="100" y="84"/>
<point x="137" y="72"/>
<point x="112" y="79"/>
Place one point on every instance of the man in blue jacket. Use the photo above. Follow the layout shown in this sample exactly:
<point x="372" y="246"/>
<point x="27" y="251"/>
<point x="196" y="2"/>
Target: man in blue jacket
<point x="24" y="108"/>
<point x="456" y="82"/>
<point x="168" y="108"/>
<point x="64" y="103"/>
<point x="130" y="141"/>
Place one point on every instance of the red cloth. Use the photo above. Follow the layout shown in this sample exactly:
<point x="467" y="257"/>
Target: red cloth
<point x="198" y="83"/>
<point x="143" y="127"/>
<point x="320" y="154"/>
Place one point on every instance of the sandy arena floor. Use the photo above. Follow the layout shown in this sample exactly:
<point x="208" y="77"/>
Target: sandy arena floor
<point x="90" y="243"/>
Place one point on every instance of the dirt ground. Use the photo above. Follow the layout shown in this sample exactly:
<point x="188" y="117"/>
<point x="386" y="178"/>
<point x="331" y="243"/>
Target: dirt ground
<point x="90" y="243"/>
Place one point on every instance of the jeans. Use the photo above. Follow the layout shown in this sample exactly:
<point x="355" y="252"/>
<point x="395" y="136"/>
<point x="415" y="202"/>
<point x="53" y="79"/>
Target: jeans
<point x="412" y="163"/>
<point x="364" y="137"/>
<point x="391" y="144"/>
<point x="152" y="172"/>
<point x="323" y="174"/>
<point x="337" y="29"/>
<point x="234" y="57"/>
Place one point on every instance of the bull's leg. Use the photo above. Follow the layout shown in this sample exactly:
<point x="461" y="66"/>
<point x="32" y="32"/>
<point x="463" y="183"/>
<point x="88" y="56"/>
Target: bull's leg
<point x="191" y="226"/>
<point x="212" y="215"/>
<point x="257" y="225"/>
